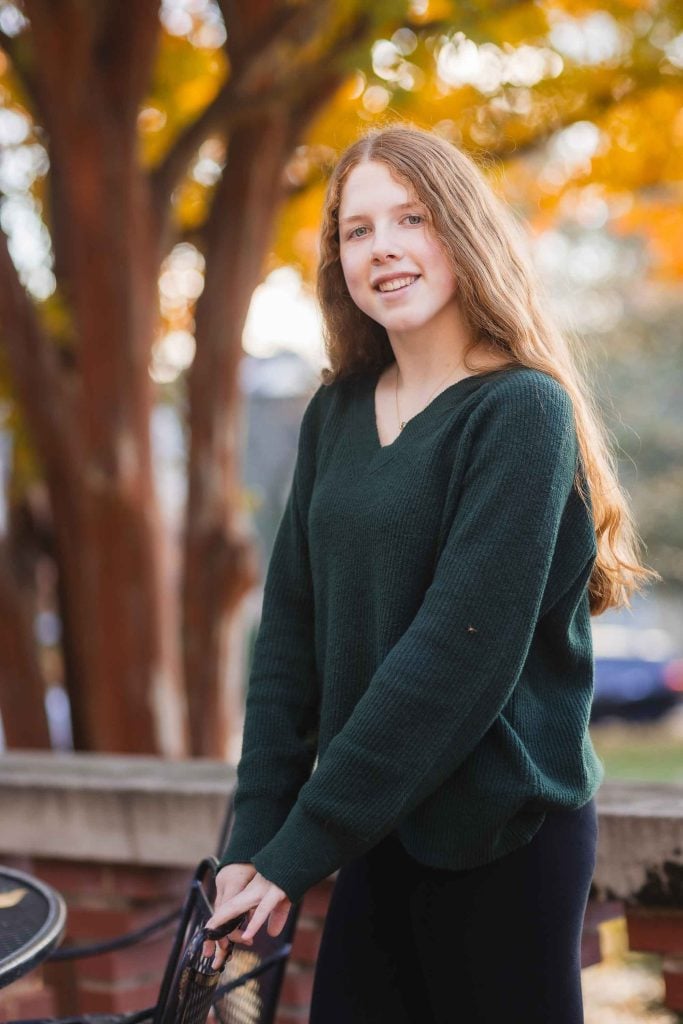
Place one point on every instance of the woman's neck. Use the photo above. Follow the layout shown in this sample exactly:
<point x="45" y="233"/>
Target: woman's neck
<point x="425" y="355"/>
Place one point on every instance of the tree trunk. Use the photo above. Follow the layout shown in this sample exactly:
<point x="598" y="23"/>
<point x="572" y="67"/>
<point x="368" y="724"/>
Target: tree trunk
<point x="22" y="692"/>
<point x="121" y="668"/>
<point x="91" y="70"/>
<point x="220" y="562"/>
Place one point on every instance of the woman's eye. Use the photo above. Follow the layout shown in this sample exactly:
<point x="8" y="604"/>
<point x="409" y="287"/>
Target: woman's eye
<point x="352" y="234"/>
<point x="414" y="218"/>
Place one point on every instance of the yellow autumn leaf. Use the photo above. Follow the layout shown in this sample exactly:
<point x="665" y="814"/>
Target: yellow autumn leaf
<point x="12" y="898"/>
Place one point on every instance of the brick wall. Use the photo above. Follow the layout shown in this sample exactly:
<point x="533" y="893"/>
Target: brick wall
<point x="105" y="901"/>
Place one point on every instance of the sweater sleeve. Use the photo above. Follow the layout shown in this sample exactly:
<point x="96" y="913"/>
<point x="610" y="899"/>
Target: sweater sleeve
<point x="279" y="741"/>
<point x="441" y="686"/>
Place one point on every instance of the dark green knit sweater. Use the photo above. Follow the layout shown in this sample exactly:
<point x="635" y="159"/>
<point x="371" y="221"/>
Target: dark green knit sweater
<point x="425" y="633"/>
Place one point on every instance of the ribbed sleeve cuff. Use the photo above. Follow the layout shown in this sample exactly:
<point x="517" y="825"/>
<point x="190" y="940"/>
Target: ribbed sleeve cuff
<point x="303" y="853"/>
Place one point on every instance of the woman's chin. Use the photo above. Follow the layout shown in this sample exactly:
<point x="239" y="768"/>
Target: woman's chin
<point x="404" y="325"/>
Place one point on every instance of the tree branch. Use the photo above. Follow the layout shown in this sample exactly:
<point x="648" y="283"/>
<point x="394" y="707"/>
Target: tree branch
<point x="124" y="48"/>
<point x="22" y="697"/>
<point x="249" y="30"/>
<point x="62" y="36"/>
<point x="224" y="113"/>
<point x="18" y="50"/>
<point x="32" y="363"/>
<point x="9" y="45"/>
<point x="234" y="27"/>
<point x="259" y="84"/>
<point x="594" y="106"/>
<point x="232" y="103"/>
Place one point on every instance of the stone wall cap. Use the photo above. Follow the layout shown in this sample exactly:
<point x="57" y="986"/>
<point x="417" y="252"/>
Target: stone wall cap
<point x="114" y="772"/>
<point x="627" y="799"/>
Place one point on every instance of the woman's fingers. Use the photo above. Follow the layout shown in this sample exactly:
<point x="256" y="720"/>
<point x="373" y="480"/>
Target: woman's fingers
<point x="238" y="934"/>
<point x="220" y="954"/>
<point x="262" y="912"/>
<point x="278" y="918"/>
<point x="210" y="945"/>
<point x="261" y="901"/>
<point x="234" y="907"/>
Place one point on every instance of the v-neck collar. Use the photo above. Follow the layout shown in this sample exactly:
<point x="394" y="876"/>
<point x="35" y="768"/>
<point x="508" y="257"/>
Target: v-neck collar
<point x="445" y="400"/>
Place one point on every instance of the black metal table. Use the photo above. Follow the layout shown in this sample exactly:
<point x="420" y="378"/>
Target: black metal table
<point x="32" y="921"/>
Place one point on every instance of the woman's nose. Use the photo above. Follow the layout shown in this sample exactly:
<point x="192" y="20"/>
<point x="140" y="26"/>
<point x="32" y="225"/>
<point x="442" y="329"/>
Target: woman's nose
<point x="384" y="247"/>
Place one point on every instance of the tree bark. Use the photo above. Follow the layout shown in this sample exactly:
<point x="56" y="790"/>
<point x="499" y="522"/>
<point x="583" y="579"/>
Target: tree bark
<point x="90" y="71"/>
<point x="122" y="670"/>
<point x="219" y="555"/>
<point x="22" y="691"/>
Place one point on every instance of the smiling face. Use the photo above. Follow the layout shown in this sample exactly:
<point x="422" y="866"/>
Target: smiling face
<point x="394" y="266"/>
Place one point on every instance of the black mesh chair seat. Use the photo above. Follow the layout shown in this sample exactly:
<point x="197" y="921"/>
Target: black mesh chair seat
<point x="32" y="920"/>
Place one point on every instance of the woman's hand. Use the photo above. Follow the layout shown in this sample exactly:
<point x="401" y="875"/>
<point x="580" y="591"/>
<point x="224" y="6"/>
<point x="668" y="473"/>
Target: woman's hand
<point x="240" y="888"/>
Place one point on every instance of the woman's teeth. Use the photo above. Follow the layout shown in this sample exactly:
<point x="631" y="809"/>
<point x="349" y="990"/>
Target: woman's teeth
<point x="398" y="282"/>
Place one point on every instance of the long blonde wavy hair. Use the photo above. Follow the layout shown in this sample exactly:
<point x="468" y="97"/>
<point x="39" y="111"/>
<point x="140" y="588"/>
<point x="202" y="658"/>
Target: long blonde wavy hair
<point x="501" y="299"/>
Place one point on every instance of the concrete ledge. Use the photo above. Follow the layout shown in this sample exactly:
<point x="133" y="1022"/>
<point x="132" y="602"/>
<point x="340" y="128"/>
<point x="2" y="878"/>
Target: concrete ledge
<point x="146" y="810"/>
<point x="118" y="810"/>
<point x="640" y="849"/>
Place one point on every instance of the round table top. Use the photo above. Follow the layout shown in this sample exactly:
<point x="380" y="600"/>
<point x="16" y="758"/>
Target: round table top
<point x="32" y="921"/>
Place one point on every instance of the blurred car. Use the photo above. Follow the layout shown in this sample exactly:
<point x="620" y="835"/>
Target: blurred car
<point x="638" y="672"/>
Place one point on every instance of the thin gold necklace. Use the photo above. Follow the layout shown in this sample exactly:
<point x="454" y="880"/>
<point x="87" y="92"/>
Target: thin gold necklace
<point x="402" y="423"/>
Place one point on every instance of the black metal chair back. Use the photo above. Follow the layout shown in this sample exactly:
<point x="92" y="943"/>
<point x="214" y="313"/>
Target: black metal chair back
<point x="245" y="991"/>
<point x="250" y="987"/>
<point x="189" y="980"/>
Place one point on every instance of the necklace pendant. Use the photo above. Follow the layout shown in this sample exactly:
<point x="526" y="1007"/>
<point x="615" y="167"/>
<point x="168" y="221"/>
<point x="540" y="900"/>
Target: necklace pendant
<point x="401" y="425"/>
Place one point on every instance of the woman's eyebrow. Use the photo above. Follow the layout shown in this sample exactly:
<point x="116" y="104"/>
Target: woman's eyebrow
<point x="394" y="209"/>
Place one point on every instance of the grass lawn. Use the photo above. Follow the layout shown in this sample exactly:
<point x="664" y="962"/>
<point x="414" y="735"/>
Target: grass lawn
<point x="641" y="752"/>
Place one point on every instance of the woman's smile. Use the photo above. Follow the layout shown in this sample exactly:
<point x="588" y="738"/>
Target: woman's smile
<point x="396" y="285"/>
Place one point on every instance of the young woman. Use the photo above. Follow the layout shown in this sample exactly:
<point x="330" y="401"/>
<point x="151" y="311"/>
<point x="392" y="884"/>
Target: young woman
<point x="453" y="521"/>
